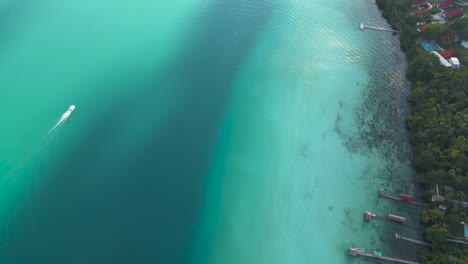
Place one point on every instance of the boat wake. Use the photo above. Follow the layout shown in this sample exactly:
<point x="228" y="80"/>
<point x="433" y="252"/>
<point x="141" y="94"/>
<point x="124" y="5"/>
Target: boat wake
<point x="63" y="118"/>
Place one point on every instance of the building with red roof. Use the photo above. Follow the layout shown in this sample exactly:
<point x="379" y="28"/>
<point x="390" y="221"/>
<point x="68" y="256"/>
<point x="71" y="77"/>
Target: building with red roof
<point x="453" y="12"/>
<point x="421" y="11"/>
<point x="445" y="4"/>
<point x="447" y="53"/>
<point x="417" y="3"/>
<point x="420" y="28"/>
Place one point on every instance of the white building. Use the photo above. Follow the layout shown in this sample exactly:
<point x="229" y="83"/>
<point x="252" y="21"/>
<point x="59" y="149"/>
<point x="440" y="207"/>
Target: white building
<point x="464" y="43"/>
<point x="455" y="62"/>
<point x="442" y="60"/>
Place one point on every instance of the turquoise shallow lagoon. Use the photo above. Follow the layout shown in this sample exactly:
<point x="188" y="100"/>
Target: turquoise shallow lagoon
<point x="315" y="126"/>
<point x="204" y="132"/>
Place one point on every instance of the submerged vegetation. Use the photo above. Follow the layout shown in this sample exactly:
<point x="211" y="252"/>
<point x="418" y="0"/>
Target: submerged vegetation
<point x="438" y="125"/>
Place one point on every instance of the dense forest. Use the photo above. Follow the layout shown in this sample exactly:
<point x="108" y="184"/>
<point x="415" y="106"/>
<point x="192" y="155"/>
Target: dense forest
<point x="438" y="125"/>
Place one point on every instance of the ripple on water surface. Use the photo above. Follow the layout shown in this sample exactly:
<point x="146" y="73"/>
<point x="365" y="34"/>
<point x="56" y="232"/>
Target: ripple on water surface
<point x="315" y="127"/>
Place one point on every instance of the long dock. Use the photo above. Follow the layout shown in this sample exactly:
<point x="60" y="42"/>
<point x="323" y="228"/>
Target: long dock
<point x="362" y="26"/>
<point x="397" y="236"/>
<point x="354" y="252"/>
<point x="390" y="217"/>
<point x="402" y="198"/>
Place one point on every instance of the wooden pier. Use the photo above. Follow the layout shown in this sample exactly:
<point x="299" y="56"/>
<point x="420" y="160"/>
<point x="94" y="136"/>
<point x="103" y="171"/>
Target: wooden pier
<point x="362" y="26"/>
<point x="354" y="252"/>
<point x="403" y="198"/>
<point x="397" y="236"/>
<point x="390" y="217"/>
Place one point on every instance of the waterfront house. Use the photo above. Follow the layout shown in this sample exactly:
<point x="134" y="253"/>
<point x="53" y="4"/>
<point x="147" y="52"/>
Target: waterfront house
<point x="453" y="13"/>
<point x="444" y="4"/>
<point x="455" y="62"/>
<point x="438" y="198"/>
<point x="419" y="12"/>
<point x="442" y="60"/>
<point x="447" y="53"/>
<point x="464" y="43"/>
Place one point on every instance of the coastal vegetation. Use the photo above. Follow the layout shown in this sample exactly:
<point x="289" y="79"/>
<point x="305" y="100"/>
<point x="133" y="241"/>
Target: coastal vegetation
<point x="438" y="126"/>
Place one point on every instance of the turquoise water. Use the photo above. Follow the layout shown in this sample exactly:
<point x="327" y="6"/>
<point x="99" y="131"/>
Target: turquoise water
<point x="314" y="128"/>
<point x="204" y="132"/>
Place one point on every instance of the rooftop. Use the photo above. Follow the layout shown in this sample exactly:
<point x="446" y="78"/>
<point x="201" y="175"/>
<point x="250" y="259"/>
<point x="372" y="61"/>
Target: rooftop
<point x="454" y="12"/>
<point x="464" y="43"/>
<point x="454" y="61"/>
<point x="421" y="11"/>
<point x="445" y="4"/>
<point x="438" y="198"/>
<point x="447" y="53"/>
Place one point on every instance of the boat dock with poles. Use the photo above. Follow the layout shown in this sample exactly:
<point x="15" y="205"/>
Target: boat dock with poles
<point x="403" y="198"/>
<point x="362" y="26"/>
<point x="361" y="252"/>
<point x="390" y="217"/>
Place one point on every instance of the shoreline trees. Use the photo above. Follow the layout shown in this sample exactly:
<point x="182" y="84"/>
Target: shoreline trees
<point x="438" y="126"/>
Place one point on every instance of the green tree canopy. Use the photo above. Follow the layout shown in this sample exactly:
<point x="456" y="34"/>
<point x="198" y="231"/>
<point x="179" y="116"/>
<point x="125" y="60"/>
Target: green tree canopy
<point x="434" y="31"/>
<point x="461" y="27"/>
<point x="437" y="235"/>
<point x="423" y="66"/>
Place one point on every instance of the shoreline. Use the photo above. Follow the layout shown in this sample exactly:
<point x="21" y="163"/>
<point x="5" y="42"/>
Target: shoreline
<point x="395" y="130"/>
<point x="425" y="76"/>
<point x="414" y="186"/>
<point x="364" y="159"/>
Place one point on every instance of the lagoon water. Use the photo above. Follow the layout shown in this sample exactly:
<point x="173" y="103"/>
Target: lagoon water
<point x="204" y="132"/>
